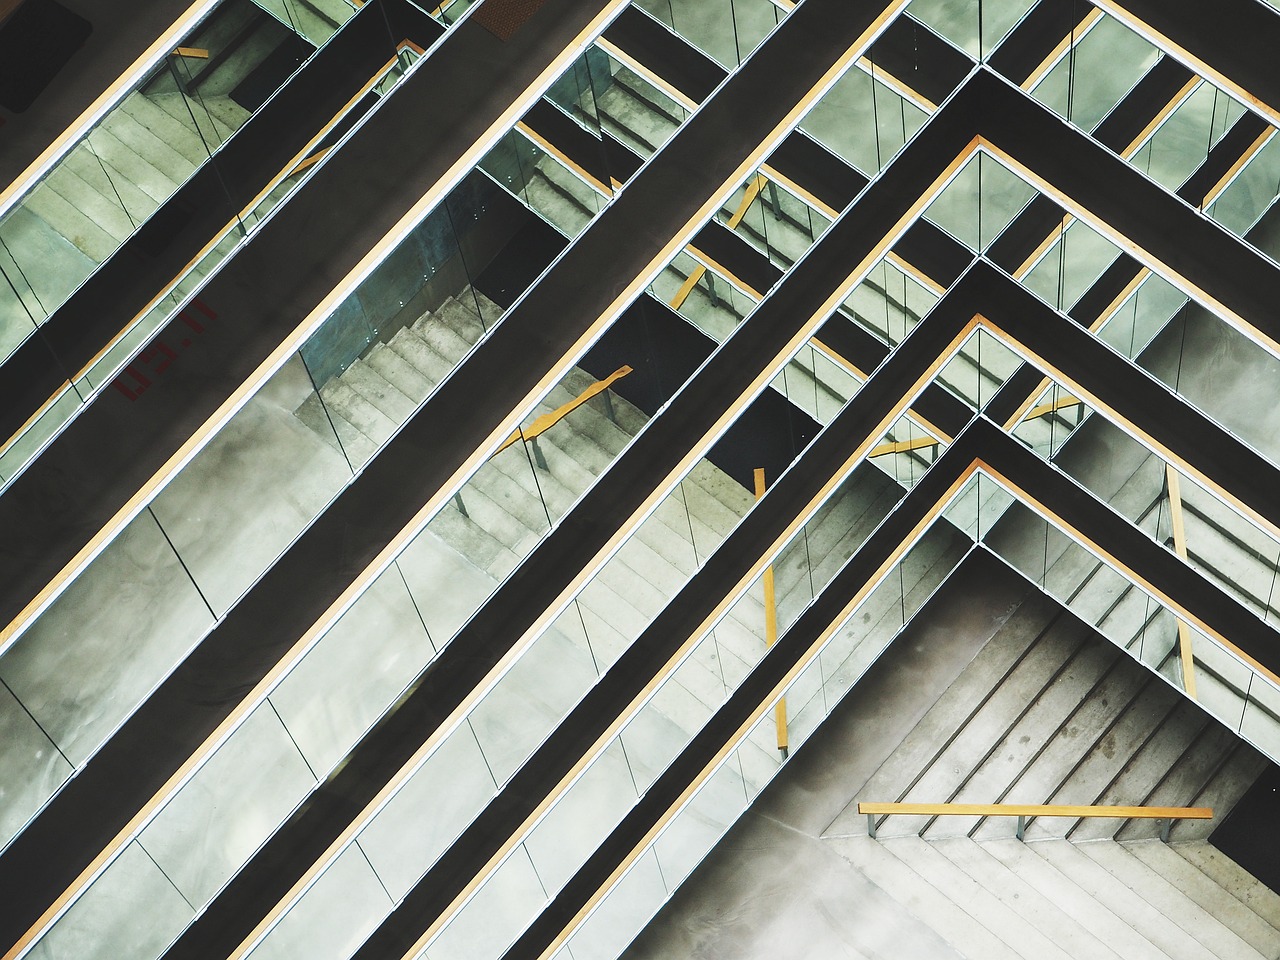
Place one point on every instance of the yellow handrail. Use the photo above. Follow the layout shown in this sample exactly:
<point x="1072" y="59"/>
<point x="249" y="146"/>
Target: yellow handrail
<point x="754" y="186"/>
<point x="771" y="629"/>
<point x="1024" y="810"/>
<point x="549" y="420"/>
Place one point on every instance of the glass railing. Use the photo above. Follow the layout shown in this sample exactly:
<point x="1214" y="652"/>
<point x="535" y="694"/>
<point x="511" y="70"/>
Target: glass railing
<point x="313" y="425"/>
<point x="1063" y="565"/>
<point x="487" y="529"/>
<point x="614" y="608"/>
<point x="181" y="81"/>
<point x="113" y="365"/>
<point x="657" y="730"/>
<point x="138" y="154"/>
<point x="725" y="30"/>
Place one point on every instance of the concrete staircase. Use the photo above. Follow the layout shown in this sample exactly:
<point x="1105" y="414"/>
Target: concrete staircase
<point x="1063" y="900"/>
<point x="1052" y="713"/>
<point x="1047" y="712"/>
<point x="154" y="139"/>
<point x="636" y="113"/>
<point x="507" y="506"/>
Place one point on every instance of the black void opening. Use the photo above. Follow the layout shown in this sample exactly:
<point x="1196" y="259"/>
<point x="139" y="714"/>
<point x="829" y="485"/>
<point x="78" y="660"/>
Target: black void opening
<point x="1251" y="833"/>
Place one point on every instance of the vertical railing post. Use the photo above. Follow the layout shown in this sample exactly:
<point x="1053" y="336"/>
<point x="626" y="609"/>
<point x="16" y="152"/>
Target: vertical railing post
<point x="871" y="825"/>
<point x="607" y="398"/>
<point x="538" y="458"/>
<point x="1165" y="826"/>
<point x="1022" y="827"/>
<point x="462" y="507"/>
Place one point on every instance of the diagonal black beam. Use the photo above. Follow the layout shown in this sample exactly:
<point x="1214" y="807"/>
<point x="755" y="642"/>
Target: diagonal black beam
<point x="263" y="293"/>
<point x="858" y="425"/>
<point x="1222" y="266"/>
<point x="174" y="235"/>
<point x="1236" y="38"/>
<point x="541" y="331"/>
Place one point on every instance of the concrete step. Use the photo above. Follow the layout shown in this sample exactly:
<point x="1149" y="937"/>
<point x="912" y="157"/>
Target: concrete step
<point x="416" y="352"/>
<point x="1177" y="908"/>
<point x="399" y="372"/>
<point x="375" y="388"/>
<point x="125" y="163"/>
<point x="106" y="211"/>
<point x="468" y="314"/>
<point x="1233" y="878"/>
<point x="883" y="864"/>
<point x="328" y="422"/>
<point x="1081" y="731"/>
<point x="451" y="330"/>
<point x="996" y="882"/>
<point x="997" y="713"/>
<point x="962" y="699"/>
<point x="117" y="189"/>
<point x="1186" y="779"/>
<point x="174" y="164"/>
<point x="546" y="195"/>
<point x="1098" y="918"/>
<point x="347" y="402"/>
<point x="65" y="218"/>
<point x="1083" y="871"/>
<point x="194" y="115"/>
<point x="1151" y="763"/>
<point x="976" y="898"/>
<point x="1008" y="761"/>
<point x="1097" y="768"/>
<point x="634" y="113"/>
<point x="164" y="127"/>
<point x="1238" y="772"/>
<point x="1209" y="896"/>
<point x="228" y="114"/>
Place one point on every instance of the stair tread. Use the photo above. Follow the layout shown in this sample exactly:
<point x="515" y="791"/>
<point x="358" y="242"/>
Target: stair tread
<point x="1073" y="863"/>
<point x="1233" y="878"/>
<point x="925" y="901"/>
<point x="1002" y="884"/>
<point x="1096" y="916"/>
<point x="168" y="129"/>
<point x="1213" y="899"/>
<point x="1177" y="908"/>
<point x="1093" y="715"/>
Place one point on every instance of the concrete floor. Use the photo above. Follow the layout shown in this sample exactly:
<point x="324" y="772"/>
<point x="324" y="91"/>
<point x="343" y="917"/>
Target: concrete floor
<point x="774" y="888"/>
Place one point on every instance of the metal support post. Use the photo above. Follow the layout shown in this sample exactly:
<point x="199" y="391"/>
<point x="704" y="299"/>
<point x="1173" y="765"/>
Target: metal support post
<point x="1022" y="828"/>
<point x="538" y="458"/>
<point x="871" y="825"/>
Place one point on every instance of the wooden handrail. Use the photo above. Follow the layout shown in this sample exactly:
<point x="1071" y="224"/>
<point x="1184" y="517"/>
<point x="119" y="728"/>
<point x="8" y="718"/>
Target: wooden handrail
<point x="549" y="420"/>
<point x="1025" y="810"/>
<point x="1037" y="810"/>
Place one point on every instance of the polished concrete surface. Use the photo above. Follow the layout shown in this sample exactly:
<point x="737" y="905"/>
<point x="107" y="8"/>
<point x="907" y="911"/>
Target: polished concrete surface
<point x="774" y="874"/>
<point x="797" y="876"/>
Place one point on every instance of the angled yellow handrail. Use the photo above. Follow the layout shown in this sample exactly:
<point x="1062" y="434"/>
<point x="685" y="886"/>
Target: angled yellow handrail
<point x="549" y="420"/>
<point x="752" y="191"/>
<point x="1024" y="810"/>
<point x="1185" y="655"/>
<point x="771" y="628"/>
